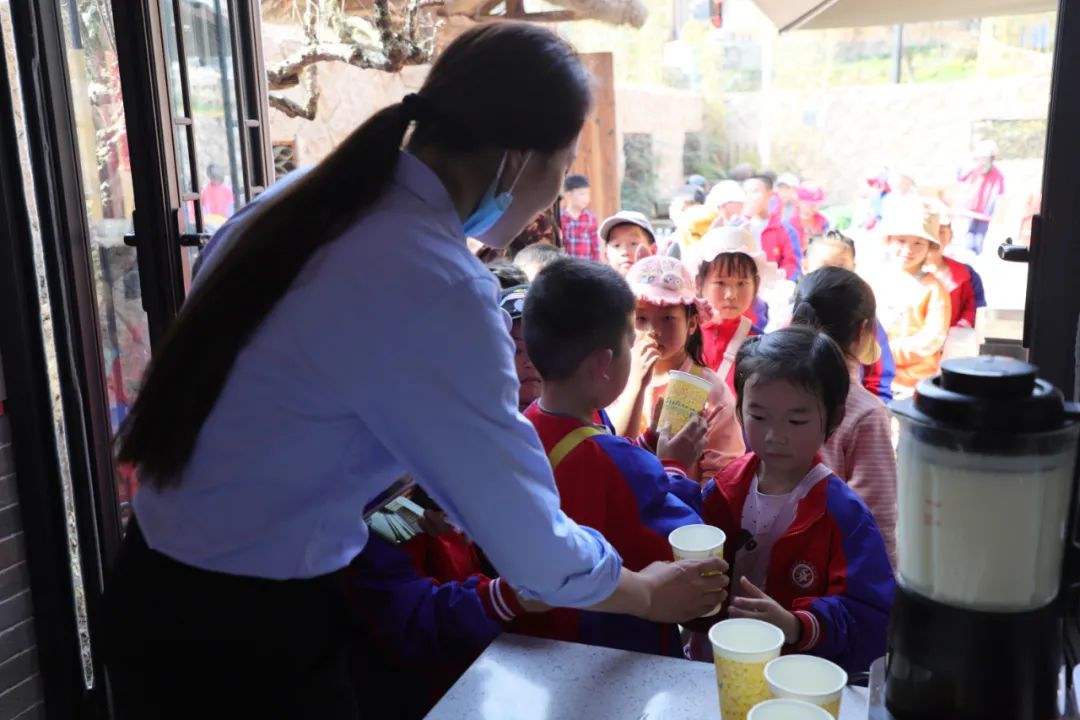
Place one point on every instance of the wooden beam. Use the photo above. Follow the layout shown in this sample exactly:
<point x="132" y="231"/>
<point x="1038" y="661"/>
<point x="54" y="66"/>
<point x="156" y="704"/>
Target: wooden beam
<point x="515" y="9"/>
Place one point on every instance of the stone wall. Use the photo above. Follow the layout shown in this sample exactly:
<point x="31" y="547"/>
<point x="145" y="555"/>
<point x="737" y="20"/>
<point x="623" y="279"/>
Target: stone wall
<point x="665" y="114"/>
<point x="836" y="135"/>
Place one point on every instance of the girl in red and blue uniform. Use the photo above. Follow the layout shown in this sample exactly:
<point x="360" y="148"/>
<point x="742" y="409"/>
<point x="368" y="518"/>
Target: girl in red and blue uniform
<point x="805" y="552"/>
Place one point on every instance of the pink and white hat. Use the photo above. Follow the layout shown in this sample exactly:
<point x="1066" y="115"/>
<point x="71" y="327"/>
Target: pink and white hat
<point x="663" y="280"/>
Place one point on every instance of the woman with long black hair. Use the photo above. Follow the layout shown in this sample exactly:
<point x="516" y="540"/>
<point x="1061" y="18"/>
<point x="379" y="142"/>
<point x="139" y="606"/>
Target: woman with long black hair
<point x="340" y="336"/>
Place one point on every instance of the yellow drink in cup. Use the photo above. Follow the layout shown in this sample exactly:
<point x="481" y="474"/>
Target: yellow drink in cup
<point x="698" y="542"/>
<point x="686" y="397"/>
<point x="741" y="650"/>
<point x="807" y="678"/>
<point x="787" y="710"/>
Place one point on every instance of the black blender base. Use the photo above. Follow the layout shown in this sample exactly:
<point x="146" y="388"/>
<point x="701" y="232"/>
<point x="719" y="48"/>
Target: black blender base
<point x="945" y="662"/>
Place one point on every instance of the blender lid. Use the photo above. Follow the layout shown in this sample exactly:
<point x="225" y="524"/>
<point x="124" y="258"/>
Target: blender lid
<point x="987" y="393"/>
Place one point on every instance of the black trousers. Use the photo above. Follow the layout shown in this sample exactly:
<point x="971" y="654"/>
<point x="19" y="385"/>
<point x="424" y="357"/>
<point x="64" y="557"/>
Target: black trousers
<point x="181" y="642"/>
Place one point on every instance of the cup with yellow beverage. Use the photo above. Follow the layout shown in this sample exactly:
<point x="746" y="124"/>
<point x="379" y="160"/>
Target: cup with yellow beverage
<point x="741" y="650"/>
<point x="686" y="397"/>
<point x="698" y="542"/>
<point x="807" y="678"/>
<point x="787" y="710"/>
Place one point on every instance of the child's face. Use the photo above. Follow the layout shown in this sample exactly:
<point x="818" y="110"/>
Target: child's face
<point x="729" y="294"/>
<point x="784" y="424"/>
<point x="910" y="251"/>
<point x="579" y="199"/>
<point x="528" y="376"/>
<point x="626" y="245"/>
<point x="669" y="325"/>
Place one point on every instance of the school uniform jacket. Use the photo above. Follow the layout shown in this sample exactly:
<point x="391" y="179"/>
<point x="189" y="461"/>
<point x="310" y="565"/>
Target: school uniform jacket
<point x="830" y="567"/>
<point x="620" y="489"/>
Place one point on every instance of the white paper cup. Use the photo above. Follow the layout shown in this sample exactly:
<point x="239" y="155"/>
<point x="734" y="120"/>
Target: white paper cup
<point x="741" y="650"/>
<point x="807" y="678"/>
<point x="698" y="542"/>
<point x="685" y="397"/>
<point x="787" y="710"/>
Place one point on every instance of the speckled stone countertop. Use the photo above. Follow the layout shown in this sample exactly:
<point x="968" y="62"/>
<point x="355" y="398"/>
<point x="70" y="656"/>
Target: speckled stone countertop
<point x="522" y="678"/>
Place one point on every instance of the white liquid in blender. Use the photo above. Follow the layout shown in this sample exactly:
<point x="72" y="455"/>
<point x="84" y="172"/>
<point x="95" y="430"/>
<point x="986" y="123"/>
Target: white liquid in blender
<point x="981" y="532"/>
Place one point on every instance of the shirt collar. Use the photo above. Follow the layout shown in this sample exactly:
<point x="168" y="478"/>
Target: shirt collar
<point x="420" y="180"/>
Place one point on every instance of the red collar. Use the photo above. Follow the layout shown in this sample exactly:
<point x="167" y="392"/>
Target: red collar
<point x="734" y="481"/>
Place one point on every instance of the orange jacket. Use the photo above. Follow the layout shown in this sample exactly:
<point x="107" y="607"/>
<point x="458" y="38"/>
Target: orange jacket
<point x="918" y="332"/>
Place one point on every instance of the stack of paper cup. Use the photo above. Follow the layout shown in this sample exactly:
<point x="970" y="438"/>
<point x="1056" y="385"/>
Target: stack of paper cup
<point x="698" y="542"/>
<point x="741" y="650"/>
<point x="807" y="678"/>
<point x="686" y="397"/>
<point x="787" y="710"/>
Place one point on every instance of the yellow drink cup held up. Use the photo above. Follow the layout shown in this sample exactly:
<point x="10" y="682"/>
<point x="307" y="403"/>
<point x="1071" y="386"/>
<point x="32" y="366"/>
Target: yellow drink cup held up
<point x="807" y="678"/>
<point x="787" y="710"/>
<point x="686" y="397"/>
<point x="741" y="650"/>
<point x="698" y="542"/>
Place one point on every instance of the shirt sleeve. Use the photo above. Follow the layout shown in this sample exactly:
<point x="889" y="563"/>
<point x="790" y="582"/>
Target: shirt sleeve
<point x="437" y="387"/>
<point x="873" y="472"/>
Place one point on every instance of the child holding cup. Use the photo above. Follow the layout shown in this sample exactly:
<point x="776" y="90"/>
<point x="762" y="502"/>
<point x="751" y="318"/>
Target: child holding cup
<point x="578" y="330"/>
<point x="668" y="362"/>
<point x="806" y="553"/>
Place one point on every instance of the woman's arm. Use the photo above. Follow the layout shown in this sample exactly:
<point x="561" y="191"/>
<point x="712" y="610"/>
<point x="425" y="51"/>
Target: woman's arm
<point x="442" y="399"/>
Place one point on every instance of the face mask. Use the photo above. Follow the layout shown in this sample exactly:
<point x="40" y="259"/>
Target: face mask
<point x="492" y="207"/>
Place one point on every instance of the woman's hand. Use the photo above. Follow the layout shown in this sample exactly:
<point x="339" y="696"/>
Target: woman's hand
<point x="686" y="589"/>
<point x="643" y="356"/>
<point x="685" y="447"/>
<point x="759" y="606"/>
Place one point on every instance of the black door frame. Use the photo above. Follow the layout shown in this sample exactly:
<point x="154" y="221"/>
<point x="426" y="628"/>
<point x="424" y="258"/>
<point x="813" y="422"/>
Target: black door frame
<point x="1053" y="302"/>
<point x="43" y="78"/>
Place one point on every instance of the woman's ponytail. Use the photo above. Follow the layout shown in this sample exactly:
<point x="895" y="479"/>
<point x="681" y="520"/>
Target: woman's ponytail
<point x="505" y="86"/>
<point x="190" y="366"/>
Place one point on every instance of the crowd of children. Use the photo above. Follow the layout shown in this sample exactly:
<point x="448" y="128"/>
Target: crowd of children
<point x="792" y="455"/>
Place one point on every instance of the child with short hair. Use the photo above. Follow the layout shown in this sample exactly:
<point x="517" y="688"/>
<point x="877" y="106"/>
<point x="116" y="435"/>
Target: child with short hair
<point x="668" y="318"/>
<point x="628" y="236"/>
<point x="805" y="552"/>
<point x="834" y="249"/>
<point x="578" y="330"/>
<point x="841" y="304"/>
<point x="913" y="304"/>
<point x="512" y="300"/>
<point x="578" y="222"/>
<point x="507" y="273"/>
<point x="534" y="258"/>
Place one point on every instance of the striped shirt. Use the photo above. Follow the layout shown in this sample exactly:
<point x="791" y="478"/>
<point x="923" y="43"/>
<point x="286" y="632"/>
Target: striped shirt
<point x="861" y="453"/>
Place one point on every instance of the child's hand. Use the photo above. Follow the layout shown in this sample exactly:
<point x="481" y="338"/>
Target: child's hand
<point x="643" y="356"/>
<point x="759" y="606"/>
<point x="687" y="446"/>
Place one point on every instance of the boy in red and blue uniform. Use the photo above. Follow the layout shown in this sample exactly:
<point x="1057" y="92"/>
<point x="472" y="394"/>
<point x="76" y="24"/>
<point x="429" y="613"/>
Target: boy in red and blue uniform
<point x="579" y="328"/>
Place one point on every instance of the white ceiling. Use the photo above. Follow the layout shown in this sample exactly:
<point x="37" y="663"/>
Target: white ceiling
<point x="818" y="14"/>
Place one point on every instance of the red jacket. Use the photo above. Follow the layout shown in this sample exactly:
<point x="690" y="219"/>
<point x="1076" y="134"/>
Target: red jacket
<point x="779" y="242"/>
<point x="830" y="567"/>
<point x="624" y="492"/>
<point x="956" y="278"/>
